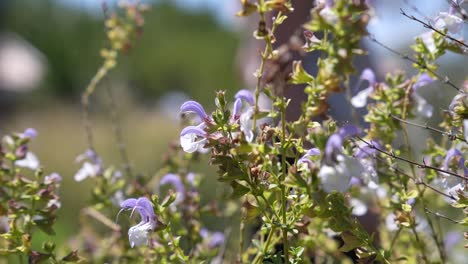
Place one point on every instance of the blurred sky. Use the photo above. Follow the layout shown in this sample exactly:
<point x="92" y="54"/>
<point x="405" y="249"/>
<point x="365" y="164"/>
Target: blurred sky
<point x="223" y="10"/>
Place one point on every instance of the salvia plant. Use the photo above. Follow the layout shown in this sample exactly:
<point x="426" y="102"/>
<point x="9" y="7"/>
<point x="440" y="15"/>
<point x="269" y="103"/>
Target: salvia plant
<point x="311" y="190"/>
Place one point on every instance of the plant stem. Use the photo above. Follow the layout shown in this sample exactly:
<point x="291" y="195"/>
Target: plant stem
<point x="283" y="177"/>
<point x="266" y="245"/>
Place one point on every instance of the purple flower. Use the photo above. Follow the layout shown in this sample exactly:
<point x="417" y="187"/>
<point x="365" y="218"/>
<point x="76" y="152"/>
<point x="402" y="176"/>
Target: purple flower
<point x="193" y="138"/>
<point x="334" y="144"/>
<point x="360" y="99"/>
<point x="452" y="154"/>
<point x="194" y="107"/>
<point x="29" y="133"/>
<point x="366" y="150"/>
<point x="305" y="159"/>
<point x="236" y="109"/>
<point x="176" y="182"/>
<point x="52" y="178"/>
<point x="138" y="234"/>
<point x="422" y="106"/>
<point x="451" y="239"/>
<point x="424" y="79"/>
<point x="245" y="117"/>
<point x="245" y="95"/>
<point x="215" y="239"/>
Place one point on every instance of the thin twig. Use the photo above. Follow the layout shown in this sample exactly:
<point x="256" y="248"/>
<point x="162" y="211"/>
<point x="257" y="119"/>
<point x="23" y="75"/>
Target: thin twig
<point x="101" y="218"/>
<point x="415" y="9"/>
<point x="117" y="128"/>
<point x="429" y="26"/>
<point x="442" y="216"/>
<point x="419" y="165"/>
<point x="444" y="79"/>
<point x="451" y="136"/>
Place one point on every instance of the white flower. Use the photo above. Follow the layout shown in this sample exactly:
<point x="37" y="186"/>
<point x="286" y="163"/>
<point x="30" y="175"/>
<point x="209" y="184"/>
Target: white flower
<point x="30" y="161"/>
<point x="359" y="208"/>
<point x="338" y="176"/>
<point x="329" y="15"/>
<point x="138" y="235"/>
<point x="87" y="170"/>
<point x="448" y="21"/>
<point x="422" y="106"/>
<point x="246" y="124"/>
<point x="390" y="222"/>
<point x="360" y="99"/>
<point x="428" y="40"/>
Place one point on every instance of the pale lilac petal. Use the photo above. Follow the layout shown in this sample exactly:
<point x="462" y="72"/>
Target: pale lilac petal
<point x="30" y="133"/>
<point x="128" y="203"/>
<point x="348" y="131"/>
<point x="451" y="239"/>
<point x="448" y="21"/>
<point x="192" y="138"/>
<point x="52" y="178"/>
<point x="422" y="106"/>
<point x="305" y="157"/>
<point x="204" y="232"/>
<point x="246" y="124"/>
<point x="175" y="181"/>
<point x="194" y="107"/>
<point x="145" y="208"/>
<point x="368" y="75"/>
<point x="216" y="240"/>
<point x="424" y="79"/>
<point x="236" y="109"/>
<point x="245" y="95"/>
<point x="334" y="146"/>
<point x="191" y="178"/>
<point x="451" y="154"/>
<point x="313" y="152"/>
<point x="367" y="150"/>
<point x="193" y="130"/>
<point x="428" y="41"/>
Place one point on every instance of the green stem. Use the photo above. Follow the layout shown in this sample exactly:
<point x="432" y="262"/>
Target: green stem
<point x="266" y="245"/>
<point x="421" y="192"/>
<point x="283" y="177"/>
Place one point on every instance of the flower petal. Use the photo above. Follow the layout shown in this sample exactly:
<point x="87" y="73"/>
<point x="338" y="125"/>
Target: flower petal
<point x="246" y="124"/>
<point x="194" y="107"/>
<point x="360" y="99"/>
<point x="177" y="183"/>
<point x="138" y="235"/>
<point x="245" y="95"/>
<point x="30" y="161"/>
<point x="424" y="79"/>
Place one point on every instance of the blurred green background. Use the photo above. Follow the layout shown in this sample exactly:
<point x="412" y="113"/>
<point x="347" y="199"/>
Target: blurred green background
<point x="182" y="54"/>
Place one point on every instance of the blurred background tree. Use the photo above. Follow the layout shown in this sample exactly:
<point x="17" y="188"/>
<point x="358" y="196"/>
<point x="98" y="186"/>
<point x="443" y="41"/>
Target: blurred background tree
<point x="187" y="52"/>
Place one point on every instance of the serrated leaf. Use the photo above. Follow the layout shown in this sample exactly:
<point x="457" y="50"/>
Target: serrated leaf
<point x="299" y="75"/>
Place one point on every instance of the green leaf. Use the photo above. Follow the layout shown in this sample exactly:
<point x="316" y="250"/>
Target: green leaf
<point x="350" y="241"/>
<point x="299" y="75"/>
<point x="238" y="190"/>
